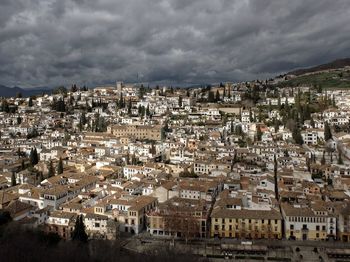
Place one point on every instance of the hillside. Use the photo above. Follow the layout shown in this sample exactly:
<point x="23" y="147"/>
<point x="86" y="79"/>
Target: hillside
<point x="331" y="80"/>
<point x="331" y="76"/>
<point x="340" y="63"/>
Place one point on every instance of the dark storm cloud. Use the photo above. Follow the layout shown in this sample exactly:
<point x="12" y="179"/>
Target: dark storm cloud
<point x="52" y="42"/>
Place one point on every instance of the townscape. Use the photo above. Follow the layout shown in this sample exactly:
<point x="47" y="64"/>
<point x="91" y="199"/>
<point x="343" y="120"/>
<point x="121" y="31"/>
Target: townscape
<point x="248" y="161"/>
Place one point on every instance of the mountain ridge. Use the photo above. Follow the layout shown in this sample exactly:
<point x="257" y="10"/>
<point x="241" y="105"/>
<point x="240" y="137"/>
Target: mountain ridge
<point x="6" y="91"/>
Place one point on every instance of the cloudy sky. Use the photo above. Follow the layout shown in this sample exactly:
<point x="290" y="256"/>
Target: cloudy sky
<point x="53" y="42"/>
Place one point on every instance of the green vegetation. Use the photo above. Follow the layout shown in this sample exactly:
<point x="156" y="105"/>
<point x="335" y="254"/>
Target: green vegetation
<point x="325" y="80"/>
<point x="79" y="233"/>
<point x="60" y="167"/>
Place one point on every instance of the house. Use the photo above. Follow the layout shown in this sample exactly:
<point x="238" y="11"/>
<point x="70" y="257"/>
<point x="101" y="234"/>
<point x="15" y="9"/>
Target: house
<point x="96" y="225"/>
<point x="178" y="217"/>
<point x="308" y="222"/>
<point x="61" y="223"/>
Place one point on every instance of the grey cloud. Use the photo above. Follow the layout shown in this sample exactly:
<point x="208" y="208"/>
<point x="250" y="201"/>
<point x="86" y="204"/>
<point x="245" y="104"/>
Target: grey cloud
<point x="55" y="42"/>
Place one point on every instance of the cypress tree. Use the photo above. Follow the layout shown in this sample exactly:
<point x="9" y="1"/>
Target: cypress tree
<point x="275" y="176"/>
<point x="327" y="132"/>
<point x="51" y="172"/>
<point x="23" y="165"/>
<point x="323" y="160"/>
<point x="35" y="156"/>
<point x="41" y="177"/>
<point x="13" y="179"/>
<point x="258" y="133"/>
<point x="340" y="159"/>
<point x="297" y="136"/>
<point x="180" y="101"/>
<point x="79" y="233"/>
<point x="211" y="97"/>
<point x="217" y="98"/>
<point x="60" y="167"/>
<point x="129" y="107"/>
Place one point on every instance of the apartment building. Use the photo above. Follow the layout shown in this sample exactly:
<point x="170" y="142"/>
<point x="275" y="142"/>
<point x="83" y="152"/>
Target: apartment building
<point x="61" y="223"/>
<point x="308" y="222"/>
<point x="230" y="218"/>
<point x="178" y="217"/>
<point x="137" y="131"/>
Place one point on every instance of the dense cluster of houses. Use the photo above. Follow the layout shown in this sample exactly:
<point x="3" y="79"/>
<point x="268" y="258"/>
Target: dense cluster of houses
<point x="162" y="161"/>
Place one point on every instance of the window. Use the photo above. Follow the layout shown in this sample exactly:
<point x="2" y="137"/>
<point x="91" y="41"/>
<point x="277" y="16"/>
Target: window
<point x="97" y="224"/>
<point x="291" y="227"/>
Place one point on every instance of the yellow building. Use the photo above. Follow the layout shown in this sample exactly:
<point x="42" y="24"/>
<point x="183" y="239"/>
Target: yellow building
<point x="313" y="221"/>
<point x="137" y="131"/>
<point x="231" y="219"/>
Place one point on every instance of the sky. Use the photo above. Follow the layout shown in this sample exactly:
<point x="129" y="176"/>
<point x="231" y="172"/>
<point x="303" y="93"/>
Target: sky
<point x="96" y="42"/>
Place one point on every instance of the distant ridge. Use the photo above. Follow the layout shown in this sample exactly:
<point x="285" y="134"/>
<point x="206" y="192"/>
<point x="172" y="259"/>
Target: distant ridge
<point x="339" y="63"/>
<point x="13" y="91"/>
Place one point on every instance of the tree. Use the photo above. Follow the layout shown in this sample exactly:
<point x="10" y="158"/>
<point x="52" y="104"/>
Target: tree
<point x="74" y="88"/>
<point x="340" y="159"/>
<point x="41" y="177"/>
<point x="180" y="101"/>
<point x="60" y="90"/>
<point x="30" y="102"/>
<point x="121" y="102"/>
<point x="142" y="91"/>
<point x="238" y="130"/>
<point x="297" y="136"/>
<point x="129" y="107"/>
<point x="79" y="233"/>
<point x="163" y="133"/>
<point x="100" y="124"/>
<point x="59" y="105"/>
<point x="211" y="96"/>
<point x="323" y="160"/>
<point x="258" y="133"/>
<point x="5" y="106"/>
<point x="60" y="167"/>
<point x="133" y="159"/>
<point x="276" y="125"/>
<point x="51" y="172"/>
<point x="327" y="132"/>
<point x="33" y="157"/>
<point x="275" y="168"/>
<point x="13" y="179"/>
<point x="217" y="98"/>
